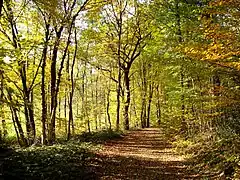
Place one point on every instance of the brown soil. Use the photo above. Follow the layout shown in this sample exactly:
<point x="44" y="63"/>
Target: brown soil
<point x="143" y="154"/>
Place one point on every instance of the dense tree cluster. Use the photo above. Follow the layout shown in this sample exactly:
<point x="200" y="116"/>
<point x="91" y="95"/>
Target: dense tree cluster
<point x="71" y="66"/>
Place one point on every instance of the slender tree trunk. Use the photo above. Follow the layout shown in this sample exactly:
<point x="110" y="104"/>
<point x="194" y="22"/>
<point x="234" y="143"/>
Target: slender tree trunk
<point x="108" y="106"/>
<point x="43" y="92"/>
<point x="216" y="92"/>
<point x="15" y="128"/>
<point x="66" y="97"/>
<point x="19" y="129"/>
<point x="143" y="113"/>
<point x="28" y="111"/>
<point x="118" y="99"/>
<point x="151" y="85"/>
<point x="128" y="98"/>
<point x="183" y="123"/>
<point x="65" y="112"/>
<point x="70" y="120"/>
<point x="1" y="7"/>
<point x="56" y="76"/>
<point x="83" y="96"/>
<point x="21" y="133"/>
<point x="144" y="95"/>
<point x="59" y="114"/>
<point x="100" y="115"/>
<point x="72" y="90"/>
<point x="48" y="104"/>
<point x="119" y="70"/>
<point x="133" y="105"/>
<point x="51" y="131"/>
<point x="55" y="87"/>
<point x="180" y="40"/>
<point x="158" y="106"/>
<point x="70" y="98"/>
<point x="44" y="105"/>
<point x="202" y="126"/>
<point x="96" y="104"/>
<point x="31" y="118"/>
<point x="4" y="128"/>
<point x="2" y="106"/>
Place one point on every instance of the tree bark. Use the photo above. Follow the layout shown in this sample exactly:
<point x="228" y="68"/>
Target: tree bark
<point x="19" y="130"/>
<point x="158" y="106"/>
<point x="128" y="98"/>
<point x="108" y="106"/>
<point x="151" y="85"/>
<point x="144" y="95"/>
<point x="51" y="131"/>
<point x="118" y="99"/>
<point x="28" y="107"/>
<point x="2" y="106"/>
<point x="180" y="40"/>
<point x="43" y="91"/>
<point x="71" y="94"/>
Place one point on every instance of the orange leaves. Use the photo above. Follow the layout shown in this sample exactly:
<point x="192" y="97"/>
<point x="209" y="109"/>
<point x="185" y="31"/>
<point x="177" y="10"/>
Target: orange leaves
<point x="224" y="3"/>
<point x="220" y="35"/>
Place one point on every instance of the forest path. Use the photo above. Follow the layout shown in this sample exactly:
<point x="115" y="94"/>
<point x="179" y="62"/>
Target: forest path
<point x="142" y="154"/>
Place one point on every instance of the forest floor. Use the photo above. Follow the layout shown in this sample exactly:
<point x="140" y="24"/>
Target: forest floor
<point x="143" y="154"/>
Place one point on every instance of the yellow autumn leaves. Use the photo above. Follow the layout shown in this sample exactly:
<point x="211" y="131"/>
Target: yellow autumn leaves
<point x="220" y="35"/>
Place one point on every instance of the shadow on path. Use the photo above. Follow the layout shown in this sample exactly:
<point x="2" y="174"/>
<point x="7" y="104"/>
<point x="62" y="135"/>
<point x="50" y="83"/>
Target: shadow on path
<point x="142" y="154"/>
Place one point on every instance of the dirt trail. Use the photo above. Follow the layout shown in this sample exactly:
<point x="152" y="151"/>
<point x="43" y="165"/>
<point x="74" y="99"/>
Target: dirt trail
<point x="142" y="154"/>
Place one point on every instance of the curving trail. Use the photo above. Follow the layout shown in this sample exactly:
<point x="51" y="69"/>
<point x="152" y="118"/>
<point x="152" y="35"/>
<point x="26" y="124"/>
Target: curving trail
<point x="142" y="155"/>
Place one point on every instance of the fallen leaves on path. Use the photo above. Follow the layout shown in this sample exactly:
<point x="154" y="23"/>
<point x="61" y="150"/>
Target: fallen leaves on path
<point x="142" y="155"/>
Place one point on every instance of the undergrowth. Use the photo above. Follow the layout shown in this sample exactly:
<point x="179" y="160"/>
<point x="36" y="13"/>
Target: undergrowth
<point x="47" y="162"/>
<point x="65" y="160"/>
<point x="98" y="137"/>
<point x="212" y="153"/>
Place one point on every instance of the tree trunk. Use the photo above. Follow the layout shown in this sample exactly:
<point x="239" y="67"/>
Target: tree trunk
<point x="119" y="69"/>
<point x="16" y="121"/>
<point x="183" y="122"/>
<point x="4" y="128"/>
<point x="55" y="87"/>
<point x="70" y="120"/>
<point x="43" y="92"/>
<point x="144" y="95"/>
<point x="28" y="102"/>
<point x="16" y="128"/>
<point x="2" y="106"/>
<point x="21" y="133"/>
<point x="44" y="105"/>
<point x="65" y="112"/>
<point x="51" y="131"/>
<point x="96" y="104"/>
<point x="118" y="99"/>
<point x="59" y="113"/>
<point x="108" y="106"/>
<point x="158" y="106"/>
<point x="180" y="40"/>
<point x="72" y="90"/>
<point x="128" y="99"/>
<point x="149" y="103"/>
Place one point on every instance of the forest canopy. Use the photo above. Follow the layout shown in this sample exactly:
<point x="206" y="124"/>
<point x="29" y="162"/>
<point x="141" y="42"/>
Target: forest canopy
<point x="74" y="66"/>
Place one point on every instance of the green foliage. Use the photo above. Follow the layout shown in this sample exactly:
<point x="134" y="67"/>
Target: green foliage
<point x="208" y="151"/>
<point x="179" y="60"/>
<point x="99" y="137"/>
<point x="54" y="162"/>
